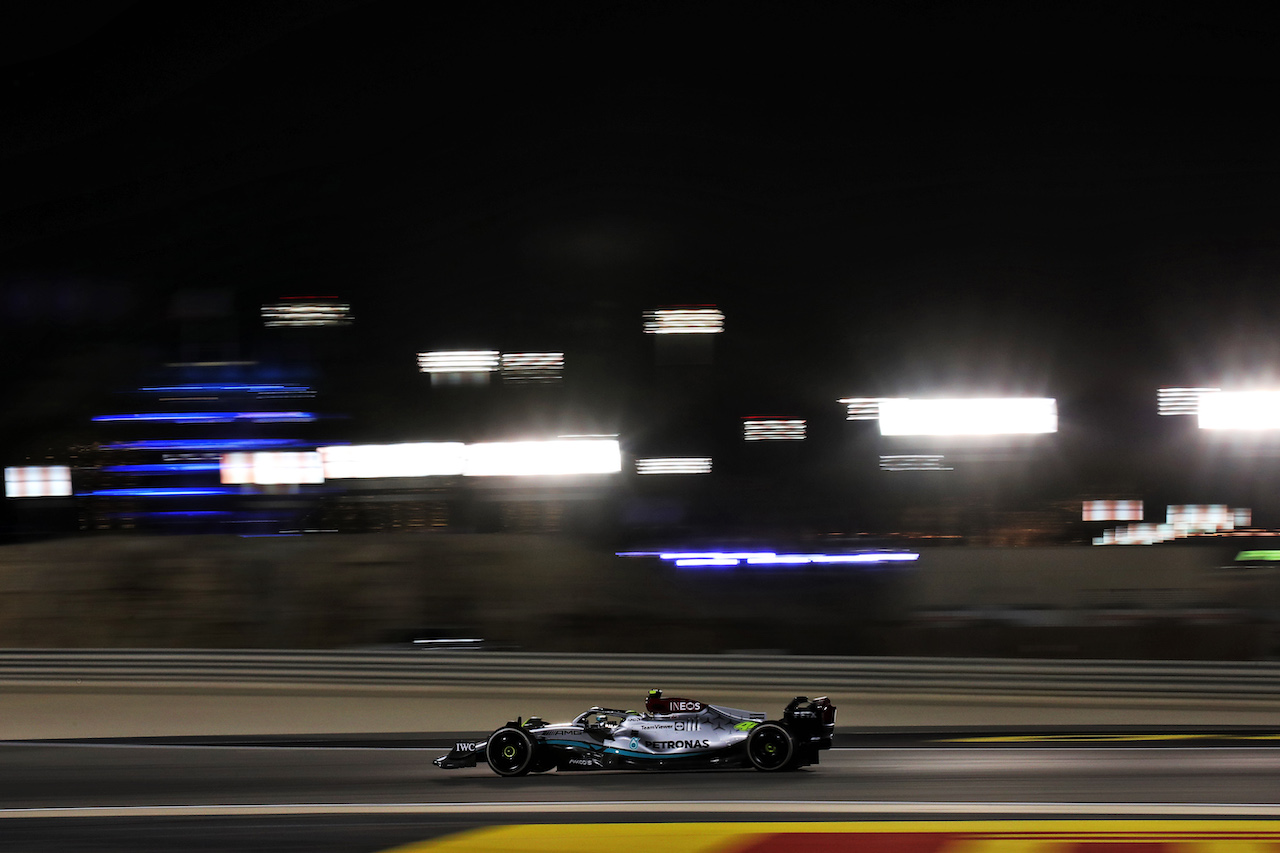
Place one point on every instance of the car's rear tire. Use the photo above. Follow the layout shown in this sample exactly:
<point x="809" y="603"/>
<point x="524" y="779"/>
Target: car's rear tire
<point x="771" y="747"/>
<point x="510" y="751"/>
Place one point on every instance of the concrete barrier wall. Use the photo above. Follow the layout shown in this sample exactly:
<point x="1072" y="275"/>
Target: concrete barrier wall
<point x="545" y="593"/>
<point x="46" y="694"/>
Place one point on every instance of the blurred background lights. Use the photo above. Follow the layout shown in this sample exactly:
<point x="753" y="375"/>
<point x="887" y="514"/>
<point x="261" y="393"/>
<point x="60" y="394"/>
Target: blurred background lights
<point x="1181" y="521"/>
<point x="532" y="366"/>
<point x="421" y="459"/>
<point x="210" y="417"/>
<point x="37" y="481"/>
<point x="203" y="444"/>
<point x="861" y="408"/>
<point x="913" y="462"/>
<point x="306" y="311"/>
<point x="268" y="390"/>
<point x="536" y="458"/>
<point x="977" y="416"/>
<point x="756" y="428"/>
<point x="1240" y="410"/>
<point x="458" y="361"/>
<point x="272" y="468"/>
<point x="489" y="459"/>
<point x="683" y="321"/>
<point x="694" y="559"/>
<point x="674" y="465"/>
<point x="1108" y="510"/>
<point x="1180" y="401"/>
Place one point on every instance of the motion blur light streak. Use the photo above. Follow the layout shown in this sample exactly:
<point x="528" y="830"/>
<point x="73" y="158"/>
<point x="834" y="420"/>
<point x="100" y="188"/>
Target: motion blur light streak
<point x="458" y="361"/>
<point x="1240" y="410"/>
<point x="534" y="458"/>
<point x="489" y="459"/>
<point x="37" y="481"/>
<point x="211" y="417"/>
<point x="162" y="468"/>
<point x="177" y="492"/>
<point x="1181" y="521"/>
<point x="417" y="459"/>
<point x="696" y="559"/>
<point x="977" y="416"/>
<point x="684" y="321"/>
<point x="532" y="366"/>
<point x="1180" y="401"/>
<point x="306" y="312"/>
<point x="208" y="444"/>
<point x="913" y="462"/>
<point x="265" y="468"/>
<point x="674" y="465"/>
<point x="756" y="428"/>
<point x="861" y="408"/>
<point x="1105" y="510"/>
<point x="260" y="389"/>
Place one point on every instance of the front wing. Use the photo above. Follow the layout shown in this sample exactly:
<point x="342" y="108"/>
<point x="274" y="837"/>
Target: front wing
<point x="466" y="753"/>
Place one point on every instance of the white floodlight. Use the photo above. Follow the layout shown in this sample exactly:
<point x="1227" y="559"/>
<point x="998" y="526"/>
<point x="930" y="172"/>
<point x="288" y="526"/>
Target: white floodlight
<point x="37" y="481"/>
<point x="1105" y="510"/>
<point x="268" y="468"/>
<point x="1240" y="410"/>
<point x="538" y="458"/>
<point x="913" y="462"/>
<point x="417" y="459"/>
<point x="532" y="366"/>
<point x="773" y="429"/>
<point x="977" y="416"/>
<point x="458" y="361"/>
<point x="861" y="408"/>
<point x="306" y="312"/>
<point x="674" y="465"/>
<point x="1181" y="401"/>
<point x="684" y="321"/>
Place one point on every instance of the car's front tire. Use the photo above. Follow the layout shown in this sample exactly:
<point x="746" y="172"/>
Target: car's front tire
<point x="510" y="751"/>
<point x="771" y="746"/>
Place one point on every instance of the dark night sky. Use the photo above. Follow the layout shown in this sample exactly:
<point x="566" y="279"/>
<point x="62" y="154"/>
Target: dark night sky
<point x="886" y="198"/>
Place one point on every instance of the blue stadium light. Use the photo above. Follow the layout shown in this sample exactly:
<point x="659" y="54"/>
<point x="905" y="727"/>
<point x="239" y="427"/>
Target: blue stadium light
<point x="163" y="468"/>
<point x="201" y="492"/>
<point x="210" y="444"/>
<point x="211" y="417"/>
<point x="720" y="559"/>
<point x="228" y="387"/>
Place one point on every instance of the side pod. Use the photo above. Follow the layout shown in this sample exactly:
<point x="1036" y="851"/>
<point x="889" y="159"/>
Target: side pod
<point x="463" y="754"/>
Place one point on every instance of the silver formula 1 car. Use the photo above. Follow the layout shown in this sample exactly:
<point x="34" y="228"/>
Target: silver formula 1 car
<point x="671" y="734"/>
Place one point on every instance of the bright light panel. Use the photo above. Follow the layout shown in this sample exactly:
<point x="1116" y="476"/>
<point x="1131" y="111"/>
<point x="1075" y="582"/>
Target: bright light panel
<point x="913" y="462"/>
<point x="1201" y="518"/>
<point x="37" y="481"/>
<point x="266" y="468"/>
<point x="538" y="458"/>
<point x="532" y="366"/>
<point x="421" y="459"/>
<point x="861" y="408"/>
<point x="773" y="429"/>
<point x="979" y="416"/>
<point x="674" y="465"/>
<point x="1240" y="410"/>
<point x="458" y="361"/>
<point x="683" y="321"/>
<point x="306" y="313"/>
<point x="1180" y="401"/>
<point x="1112" y="511"/>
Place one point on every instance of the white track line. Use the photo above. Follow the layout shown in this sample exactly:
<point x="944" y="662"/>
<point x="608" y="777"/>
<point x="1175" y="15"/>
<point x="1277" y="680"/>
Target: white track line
<point x="707" y="807"/>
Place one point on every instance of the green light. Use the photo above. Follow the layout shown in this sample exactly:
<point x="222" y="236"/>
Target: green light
<point x="1270" y="556"/>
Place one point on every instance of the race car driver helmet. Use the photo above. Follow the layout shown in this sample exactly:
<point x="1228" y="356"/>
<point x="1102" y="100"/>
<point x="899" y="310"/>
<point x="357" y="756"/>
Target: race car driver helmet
<point x="651" y="701"/>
